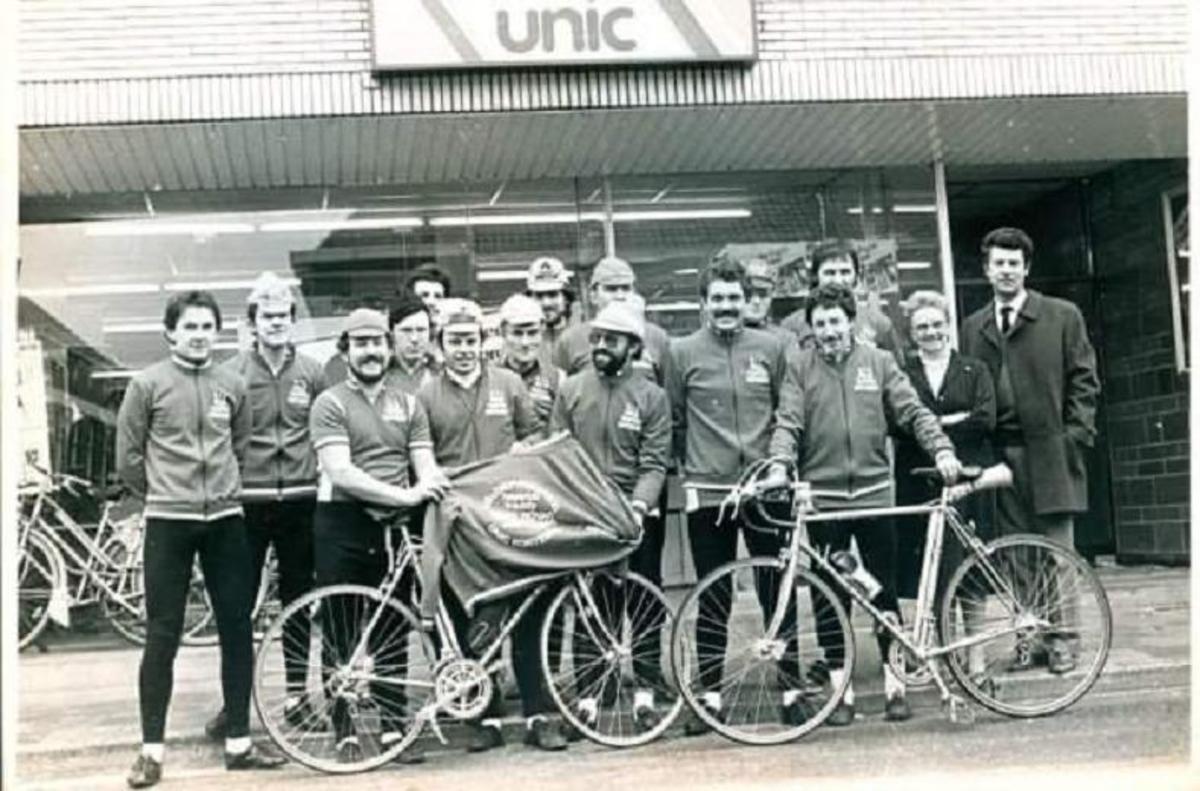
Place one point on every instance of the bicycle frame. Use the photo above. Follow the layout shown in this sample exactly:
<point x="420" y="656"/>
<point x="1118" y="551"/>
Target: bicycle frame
<point x="920" y="642"/>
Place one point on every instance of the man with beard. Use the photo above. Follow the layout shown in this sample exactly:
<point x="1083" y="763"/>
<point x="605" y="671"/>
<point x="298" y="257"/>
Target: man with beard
<point x="547" y="283"/>
<point x="613" y="281"/>
<point x="412" y="363"/>
<point x="525" y="354"/>
<point x="477" y="411"/>
<point x="182" y="431"/>
<point x="279" y="478"/>
<point x="838" y="403"/>
<point x="622" y="420"/>
<point x="724" y="388"/>
<point x="369" y="439"/>
<point x="838" y="263"/>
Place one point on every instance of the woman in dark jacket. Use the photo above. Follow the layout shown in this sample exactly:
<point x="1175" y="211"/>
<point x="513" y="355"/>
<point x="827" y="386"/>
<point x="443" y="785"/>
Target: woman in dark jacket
<point x="959" y="390"/>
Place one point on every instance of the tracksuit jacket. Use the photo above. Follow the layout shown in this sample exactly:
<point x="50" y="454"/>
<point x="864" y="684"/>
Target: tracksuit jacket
<point x="624" y="424"/>
<point x="723" y="390"/>
<point x="280" y="462"/>
<point x="836" y="416"/>
<point x="181" y="438"/>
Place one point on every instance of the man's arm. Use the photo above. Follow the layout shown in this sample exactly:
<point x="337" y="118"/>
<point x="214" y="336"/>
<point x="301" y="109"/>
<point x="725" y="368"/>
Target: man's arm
<point x="789" y="413"/>
<point x="335" y="461"/>
<point x="1081" y="385"/>
<point x="676" y="391"/>
<point x="133" y="427"/>
<point x="560" y="418"/>
<point x="243" y="424"/>
<point x="654" y="451"/>
<point x="420" y="446"/>
<point x="909" y="414"/>
<point x="525" y="419"/>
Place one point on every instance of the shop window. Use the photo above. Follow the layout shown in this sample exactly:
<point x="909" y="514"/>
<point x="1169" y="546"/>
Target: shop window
<point x="1175" y="230"/>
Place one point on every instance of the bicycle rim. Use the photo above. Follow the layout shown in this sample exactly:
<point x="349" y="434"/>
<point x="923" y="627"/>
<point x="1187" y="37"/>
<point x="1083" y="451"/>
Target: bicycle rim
<point x="39" y="575"/>
<point x="754" y="675"/>
<point x="352" y="684"/>
<point x="604" y="665"/>
<point x="1060" y="609"/>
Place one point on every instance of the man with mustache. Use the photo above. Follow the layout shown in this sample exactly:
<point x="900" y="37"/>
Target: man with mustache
<point x="182" y="431"/>
<point x="370" y="440"/>
<point x="525" y="354"/>
<point x="477" y="411"/>
<point x="1044" y="366"/>
<point x="279" y="479"/>
<point x="622" y="420"/>
<point x="838" y="402"/>
<point x="837" y="262"/>
<point x="723" y="391"/>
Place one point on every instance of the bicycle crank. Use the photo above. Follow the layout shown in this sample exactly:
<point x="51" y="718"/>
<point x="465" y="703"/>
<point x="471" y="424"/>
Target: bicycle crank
<point x="906" y="668"/>
<point x="462" y="687"/>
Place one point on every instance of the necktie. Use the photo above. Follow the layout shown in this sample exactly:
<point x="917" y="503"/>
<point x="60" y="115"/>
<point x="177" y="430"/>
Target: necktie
<point x="1005" y="320"/>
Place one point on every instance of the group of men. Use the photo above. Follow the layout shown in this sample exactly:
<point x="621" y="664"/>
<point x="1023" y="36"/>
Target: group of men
<point x="270" y="448"/>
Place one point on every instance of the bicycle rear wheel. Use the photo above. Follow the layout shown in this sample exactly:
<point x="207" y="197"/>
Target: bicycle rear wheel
<point x="1050" y="618"/>
<point x="604" y="663"/>
<point x="772" y="688"/>
<point x="40" y="574"/>
<point x="322" y="681"/>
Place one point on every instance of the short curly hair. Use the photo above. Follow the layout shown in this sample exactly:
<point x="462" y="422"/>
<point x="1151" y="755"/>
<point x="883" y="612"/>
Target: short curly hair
<point x="831" y="295"/>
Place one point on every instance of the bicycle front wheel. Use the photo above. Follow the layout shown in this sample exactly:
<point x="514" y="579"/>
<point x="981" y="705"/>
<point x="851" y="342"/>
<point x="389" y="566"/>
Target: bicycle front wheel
<point x="748" y="681"/>
<point x="1049" y="623"/>
<point x="602" y="655"/>
<point x="343" y="679"/>
<point x="40" y="575"/>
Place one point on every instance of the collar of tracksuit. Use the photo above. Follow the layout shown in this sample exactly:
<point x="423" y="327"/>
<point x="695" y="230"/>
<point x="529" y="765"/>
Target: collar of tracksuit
<point x="188" y="365"/>
<point x="465" y="381"/>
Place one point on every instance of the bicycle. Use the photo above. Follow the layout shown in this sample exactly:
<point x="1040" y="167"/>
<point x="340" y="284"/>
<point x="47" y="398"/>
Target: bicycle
<point x="375" y="671"/>
<point x="65" y="564"/>
<point x="1004" y="600"/>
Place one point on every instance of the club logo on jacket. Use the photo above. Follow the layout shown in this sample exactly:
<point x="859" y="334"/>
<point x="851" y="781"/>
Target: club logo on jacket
<point x="540" y="391"/>
<point x="864" y="381"/>
<point x="757" y="372"/>
<point x="522" y="513"/>
<point x="220" y="412"/>
<point x="298" y="395"/>
<point x="630" y="419"/>
<point x="393" y="409"/>
<point x="497" y="404"/>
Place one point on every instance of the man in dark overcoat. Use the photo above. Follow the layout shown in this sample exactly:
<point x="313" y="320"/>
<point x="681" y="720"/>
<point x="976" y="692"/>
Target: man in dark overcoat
<point x="1044" y="366"/>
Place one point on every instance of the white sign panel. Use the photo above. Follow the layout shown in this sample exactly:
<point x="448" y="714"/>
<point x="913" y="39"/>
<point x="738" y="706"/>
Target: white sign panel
<point x="440" y="34"/>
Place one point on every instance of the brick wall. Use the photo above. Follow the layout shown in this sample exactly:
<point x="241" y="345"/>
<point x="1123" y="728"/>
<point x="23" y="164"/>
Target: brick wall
<point x="113" y="39"/>
<point x="1147" y="398"/>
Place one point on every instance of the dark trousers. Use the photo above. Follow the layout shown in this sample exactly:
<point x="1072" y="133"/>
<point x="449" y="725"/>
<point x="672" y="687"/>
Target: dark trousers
<point x="168" y="554"/>
<point x="713" y="543"/>
<point x="288" y="526"/>
<point x="876" y="539"/>
<point x="349" y="549"/>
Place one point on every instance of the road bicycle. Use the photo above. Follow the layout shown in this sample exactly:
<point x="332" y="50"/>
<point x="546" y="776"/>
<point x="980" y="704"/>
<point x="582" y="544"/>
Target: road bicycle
<point x="1022" y="624"/>
<point x="373" y="672"/>
<point x="63" y="563"/>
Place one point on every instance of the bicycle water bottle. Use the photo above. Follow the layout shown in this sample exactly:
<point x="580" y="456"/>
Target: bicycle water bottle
<point x="859" y="577"/>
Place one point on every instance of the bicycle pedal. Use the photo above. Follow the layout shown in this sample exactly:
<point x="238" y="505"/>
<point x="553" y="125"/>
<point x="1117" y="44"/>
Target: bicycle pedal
<point x="959" y="711"/>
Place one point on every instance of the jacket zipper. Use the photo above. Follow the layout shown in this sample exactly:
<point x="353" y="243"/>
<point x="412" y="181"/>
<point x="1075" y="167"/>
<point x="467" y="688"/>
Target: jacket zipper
<point x="846" y="419"/>
<point x="604" y="426"/>
<point x="277" y="379"/>
<point x="200" y="438"/>
<point x="737" y="425"/>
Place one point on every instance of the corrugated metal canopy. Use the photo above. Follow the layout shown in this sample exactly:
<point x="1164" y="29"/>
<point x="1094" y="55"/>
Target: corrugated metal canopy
<point x="375" y="150"/>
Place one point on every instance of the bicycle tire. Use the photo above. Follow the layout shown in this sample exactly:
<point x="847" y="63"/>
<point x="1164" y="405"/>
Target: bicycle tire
<point x="313" y="742"/>
<point x="40" y="574"/>
<point x="1010" y="682"/>
<point x="632" y="672"/>
<point x="811" y="672"/>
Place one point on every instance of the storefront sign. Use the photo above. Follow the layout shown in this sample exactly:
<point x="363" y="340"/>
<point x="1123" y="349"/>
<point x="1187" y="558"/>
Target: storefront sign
<point x="439" y="34"/>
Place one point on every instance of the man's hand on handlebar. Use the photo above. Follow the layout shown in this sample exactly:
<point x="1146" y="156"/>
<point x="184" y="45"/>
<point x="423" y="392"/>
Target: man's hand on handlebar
<point x="948" y="465"/>
<point x="777" y="478"/>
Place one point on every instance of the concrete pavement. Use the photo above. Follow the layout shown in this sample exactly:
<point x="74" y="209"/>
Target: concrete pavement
<point x="76" y="699"/>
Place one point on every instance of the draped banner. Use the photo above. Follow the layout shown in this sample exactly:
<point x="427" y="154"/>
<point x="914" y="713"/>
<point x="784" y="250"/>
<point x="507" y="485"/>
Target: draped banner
<point x="511" y="521"/>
